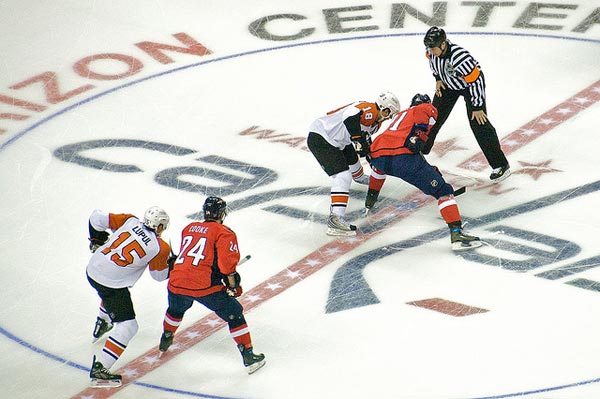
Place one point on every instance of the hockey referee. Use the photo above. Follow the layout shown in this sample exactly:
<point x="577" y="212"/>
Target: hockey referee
<point x="457" y="74"/>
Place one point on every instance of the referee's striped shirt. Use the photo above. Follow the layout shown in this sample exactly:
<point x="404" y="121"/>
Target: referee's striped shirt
<point x="459" y="70"/>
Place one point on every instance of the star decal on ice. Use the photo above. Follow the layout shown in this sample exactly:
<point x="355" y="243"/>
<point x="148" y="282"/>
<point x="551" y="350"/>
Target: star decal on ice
<point x="312" y="262"/>
<point x="130" y="373"/>
<point x="292" y="274"/>
<point x="443" y="147"/>
<point x="564" y="111"/>
<point x="193" y="334"/>
<point x="87" y="397"/>
<point x="273" y="286"/>
<point x="332" y="251"/>
<point x="511" y="143"/>
<point x="354" y="239"/>
<point x="536" y="170"/>
<point x="212" y="322"/>
<point x="496" y="189"/>
<point x="150" y="360"/>
<point x="476" y="165"/>
<point x="581" y="100"/>
<point x="546" y="121"/>
<point x="528" y="132"/>
<point x="175" y="347"/>
<point x="252" y="298"/>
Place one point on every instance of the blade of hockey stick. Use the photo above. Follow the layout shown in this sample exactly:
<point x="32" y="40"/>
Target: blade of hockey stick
<point x="460" y="191"/>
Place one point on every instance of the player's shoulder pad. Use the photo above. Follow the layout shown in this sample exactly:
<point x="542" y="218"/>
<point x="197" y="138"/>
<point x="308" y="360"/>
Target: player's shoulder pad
<point x="228" y="229"/>
<point x="368" y="111"/>
<point x="427" y="108"/>
<point x="163" y="245"/>
<point x="424" y="113"/>
<point x="116" y="220"/>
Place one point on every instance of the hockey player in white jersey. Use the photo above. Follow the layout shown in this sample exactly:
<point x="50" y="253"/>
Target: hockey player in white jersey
<point x="336" y="140"/>
<point x="118" y="261"/>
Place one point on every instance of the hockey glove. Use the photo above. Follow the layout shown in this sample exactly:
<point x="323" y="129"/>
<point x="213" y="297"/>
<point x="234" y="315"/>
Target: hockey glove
<point x="417" y="138"/>
<point x="96" y="243"/>
<point x="232" y="282"/>
<point x="235" y="292"/>
<point x="97" y="238"/>
<point x="171" y="263"/>
<point x="362" y="144"/>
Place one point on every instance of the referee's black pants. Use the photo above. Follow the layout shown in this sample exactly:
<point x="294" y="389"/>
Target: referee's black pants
<point x="484" y="134"/>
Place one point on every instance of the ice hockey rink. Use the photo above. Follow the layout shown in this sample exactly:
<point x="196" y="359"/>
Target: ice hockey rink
<point x="123" y="105"/>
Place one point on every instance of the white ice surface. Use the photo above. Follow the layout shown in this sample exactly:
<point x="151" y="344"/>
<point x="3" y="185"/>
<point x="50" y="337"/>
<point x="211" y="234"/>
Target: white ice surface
<point x="539" y="337"/>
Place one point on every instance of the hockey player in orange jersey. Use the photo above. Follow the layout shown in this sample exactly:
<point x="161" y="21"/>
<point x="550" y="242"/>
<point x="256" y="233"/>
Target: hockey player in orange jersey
<point x="205" y="272"/>
<point x="397" y="152"/>
<point x="118" y="261"/>
<point x="335" y="138"/>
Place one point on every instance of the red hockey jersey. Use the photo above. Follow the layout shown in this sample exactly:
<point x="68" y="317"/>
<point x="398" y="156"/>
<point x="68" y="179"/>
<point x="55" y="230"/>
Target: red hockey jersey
<point x="208" y="251"/>
<point x="394" y="139"/>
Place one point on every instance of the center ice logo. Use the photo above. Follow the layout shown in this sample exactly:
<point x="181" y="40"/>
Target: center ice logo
<point x="348" y="288"/>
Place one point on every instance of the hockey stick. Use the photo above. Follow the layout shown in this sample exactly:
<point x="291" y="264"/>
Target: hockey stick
<point x="244" y="260"/>
<point x="456" y="193"/>
<point x="171" y="248"/>
<point x="459" y="191"/>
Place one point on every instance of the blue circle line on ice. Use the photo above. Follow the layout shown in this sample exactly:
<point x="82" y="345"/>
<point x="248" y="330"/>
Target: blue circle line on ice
<point x="268" y="49"/>
<point x="23" y="132"/>
<point x="86" y="369"/>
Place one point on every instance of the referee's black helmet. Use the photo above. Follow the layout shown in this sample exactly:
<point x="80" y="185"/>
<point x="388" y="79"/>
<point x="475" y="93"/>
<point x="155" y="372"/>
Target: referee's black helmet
<point x="434" y="37"/>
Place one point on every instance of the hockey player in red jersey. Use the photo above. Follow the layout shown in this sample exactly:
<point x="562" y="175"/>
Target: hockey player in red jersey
<point x="335" y="139"/>
<point x="205" y="272"/>
<point x="118" y="261"/>
<point x="397" y="152"/>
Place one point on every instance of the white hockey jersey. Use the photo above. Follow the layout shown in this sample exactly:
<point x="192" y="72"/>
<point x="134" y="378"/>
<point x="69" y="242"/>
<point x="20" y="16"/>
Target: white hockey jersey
<point x="331" y="126"/>
<point x="132" y="247"/>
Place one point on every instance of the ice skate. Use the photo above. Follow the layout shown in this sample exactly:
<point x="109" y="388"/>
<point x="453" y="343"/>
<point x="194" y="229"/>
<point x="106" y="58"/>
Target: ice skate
<point x="371" y="198"/>
<point x="362" y="179"/>
<point x="252" y="361"/>
<point x="166" y="340"/>
<point x="101" y="328"/>
<point x="101" y="377"/>
<point x="337" y="226"/>
<point x="499" y="174"/>
<point x="461" y="241"/>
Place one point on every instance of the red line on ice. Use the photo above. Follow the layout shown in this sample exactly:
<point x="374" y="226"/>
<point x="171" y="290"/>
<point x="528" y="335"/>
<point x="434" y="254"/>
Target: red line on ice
<point x="331" y="251"/>
<point x="541" y="125"/>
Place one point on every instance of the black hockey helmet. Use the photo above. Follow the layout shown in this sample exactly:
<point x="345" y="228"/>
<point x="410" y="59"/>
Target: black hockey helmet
<point x="214" y="208"/>
<point x="434" y="37"/>
<point x="420" y="99"/>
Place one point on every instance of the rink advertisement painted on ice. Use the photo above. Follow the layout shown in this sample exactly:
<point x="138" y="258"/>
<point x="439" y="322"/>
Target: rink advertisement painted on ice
<point x="165" y="113"/>
<point x="39" y="95"/>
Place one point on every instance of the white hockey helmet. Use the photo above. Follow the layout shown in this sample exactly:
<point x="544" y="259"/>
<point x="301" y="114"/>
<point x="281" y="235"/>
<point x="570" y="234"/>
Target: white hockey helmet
<point x="155" y="217"/>
<point x="388" y="100"/>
